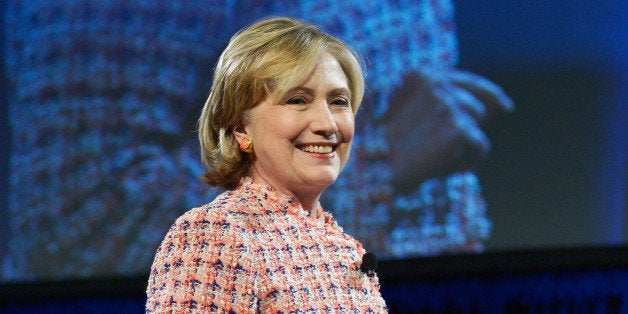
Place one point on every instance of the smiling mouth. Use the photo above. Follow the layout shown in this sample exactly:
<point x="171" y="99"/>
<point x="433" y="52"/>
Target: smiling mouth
<point x="319" y="149"/>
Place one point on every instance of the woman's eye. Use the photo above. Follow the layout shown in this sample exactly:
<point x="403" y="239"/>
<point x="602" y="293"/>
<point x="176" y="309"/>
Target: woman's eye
<point x="297" y="101"/>
<point x="340" y="102"/>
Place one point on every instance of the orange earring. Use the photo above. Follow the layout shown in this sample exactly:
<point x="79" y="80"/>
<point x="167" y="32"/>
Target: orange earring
<point x="246" y="145"/>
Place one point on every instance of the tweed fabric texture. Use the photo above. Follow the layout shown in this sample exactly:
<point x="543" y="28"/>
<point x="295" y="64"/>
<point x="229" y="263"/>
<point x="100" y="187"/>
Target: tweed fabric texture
<point x="254" y="249"/>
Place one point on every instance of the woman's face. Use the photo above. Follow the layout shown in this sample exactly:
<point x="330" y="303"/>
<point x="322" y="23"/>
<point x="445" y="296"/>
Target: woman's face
<point x="303" y="140"/>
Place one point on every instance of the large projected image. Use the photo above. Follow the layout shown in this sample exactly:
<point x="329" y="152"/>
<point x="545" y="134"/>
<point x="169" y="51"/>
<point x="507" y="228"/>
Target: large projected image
<point x="104" y="155"/>
<point x="102" y="99"/>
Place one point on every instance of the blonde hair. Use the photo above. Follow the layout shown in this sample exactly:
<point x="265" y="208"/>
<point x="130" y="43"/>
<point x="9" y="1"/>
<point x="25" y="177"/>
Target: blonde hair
<point x="268" y="58"/>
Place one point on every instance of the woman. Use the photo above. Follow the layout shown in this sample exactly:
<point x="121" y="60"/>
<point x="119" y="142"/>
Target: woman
<point x="276" y="131"/>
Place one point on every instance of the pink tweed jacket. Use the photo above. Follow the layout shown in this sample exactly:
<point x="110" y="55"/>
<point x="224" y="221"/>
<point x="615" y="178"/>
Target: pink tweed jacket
<point x="254" y="250"/>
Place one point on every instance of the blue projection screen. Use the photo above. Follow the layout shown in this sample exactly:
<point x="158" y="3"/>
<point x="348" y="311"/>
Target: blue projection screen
<point x="100" y="101"/>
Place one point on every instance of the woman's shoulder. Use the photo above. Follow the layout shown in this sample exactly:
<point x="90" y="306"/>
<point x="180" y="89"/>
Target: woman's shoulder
<point x="228" y="209"/>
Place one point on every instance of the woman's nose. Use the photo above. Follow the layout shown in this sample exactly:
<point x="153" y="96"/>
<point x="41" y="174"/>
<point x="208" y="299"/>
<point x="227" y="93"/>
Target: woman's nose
<point x="322" y="120"/>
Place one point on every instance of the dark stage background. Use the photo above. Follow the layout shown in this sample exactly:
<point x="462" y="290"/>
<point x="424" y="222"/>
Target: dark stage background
<point x="557" y="175"/>
<point x="555" y="181"/>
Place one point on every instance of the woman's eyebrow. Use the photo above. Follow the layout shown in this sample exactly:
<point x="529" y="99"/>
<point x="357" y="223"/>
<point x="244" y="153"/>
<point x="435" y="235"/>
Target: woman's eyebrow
<point x="340" y="91"/>
<point x="335" y="91"/>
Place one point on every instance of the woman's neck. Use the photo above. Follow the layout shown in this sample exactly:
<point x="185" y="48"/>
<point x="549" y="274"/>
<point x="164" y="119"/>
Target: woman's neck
<point x="308" y="198"/>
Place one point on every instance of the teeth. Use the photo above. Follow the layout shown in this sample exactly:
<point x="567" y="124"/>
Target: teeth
<point x="317" y="149"/>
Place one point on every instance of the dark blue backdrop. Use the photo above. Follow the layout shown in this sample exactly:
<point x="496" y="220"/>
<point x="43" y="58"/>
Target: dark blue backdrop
<point x="558" y="172"/>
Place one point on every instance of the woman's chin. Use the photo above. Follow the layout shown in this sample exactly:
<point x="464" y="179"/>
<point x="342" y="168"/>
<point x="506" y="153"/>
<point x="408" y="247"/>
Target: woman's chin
<point x="321" y="180"/>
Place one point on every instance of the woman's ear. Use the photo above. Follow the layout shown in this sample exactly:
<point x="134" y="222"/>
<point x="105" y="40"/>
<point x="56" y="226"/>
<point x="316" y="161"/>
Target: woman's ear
<point x="244" y="140"/>
<point x="239" y="132"/>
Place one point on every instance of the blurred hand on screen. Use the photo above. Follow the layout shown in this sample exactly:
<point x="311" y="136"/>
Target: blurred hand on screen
<point x="435" y="124"/>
